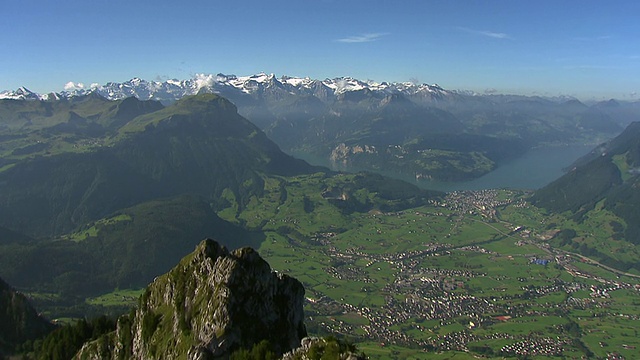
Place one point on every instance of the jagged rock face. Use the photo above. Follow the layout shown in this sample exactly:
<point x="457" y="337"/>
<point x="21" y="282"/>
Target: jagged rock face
<point x="211" y="304"/>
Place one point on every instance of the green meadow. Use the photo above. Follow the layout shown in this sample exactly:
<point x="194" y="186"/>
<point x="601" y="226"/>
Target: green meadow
<point x="444" y="279"/>
<point x="125" y="297"/>
<point x="352" y="268"/>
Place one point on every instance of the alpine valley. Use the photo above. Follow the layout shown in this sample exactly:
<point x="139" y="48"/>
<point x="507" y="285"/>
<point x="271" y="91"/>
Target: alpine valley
<point x="106" y="192"/>
<point x="408" y="130"/>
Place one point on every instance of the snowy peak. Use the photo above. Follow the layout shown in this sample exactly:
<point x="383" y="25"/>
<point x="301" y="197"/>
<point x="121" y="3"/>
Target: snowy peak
<point x="297" y="82"/>
<point x="22" y="93"/>
<point x="257" y="86"/>
<point x="344" y="84"/>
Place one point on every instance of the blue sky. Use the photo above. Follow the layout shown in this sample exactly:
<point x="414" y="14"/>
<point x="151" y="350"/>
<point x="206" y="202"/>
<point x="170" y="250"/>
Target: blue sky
<point x="588" y="49"/>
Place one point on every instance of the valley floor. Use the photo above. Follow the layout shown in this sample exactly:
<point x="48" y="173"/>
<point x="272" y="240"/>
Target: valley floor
<point x="474" y="273"/>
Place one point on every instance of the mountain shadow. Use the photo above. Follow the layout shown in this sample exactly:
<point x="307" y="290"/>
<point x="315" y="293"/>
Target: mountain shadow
<point x="19" y="321"/>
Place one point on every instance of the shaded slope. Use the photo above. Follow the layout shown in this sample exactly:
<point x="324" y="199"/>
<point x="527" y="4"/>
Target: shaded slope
<point x="610" y="173"/>
<point x="580" y="188"/>
<point x="19" y="321"/>
<point x="127" y="249"/>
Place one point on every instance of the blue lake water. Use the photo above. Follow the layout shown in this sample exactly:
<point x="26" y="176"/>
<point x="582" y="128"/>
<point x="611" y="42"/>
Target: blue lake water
<point x="535" y="169"/>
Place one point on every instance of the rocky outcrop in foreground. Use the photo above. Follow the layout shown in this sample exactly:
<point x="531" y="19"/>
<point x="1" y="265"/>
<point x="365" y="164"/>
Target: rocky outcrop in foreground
<point x="213" y="303"/>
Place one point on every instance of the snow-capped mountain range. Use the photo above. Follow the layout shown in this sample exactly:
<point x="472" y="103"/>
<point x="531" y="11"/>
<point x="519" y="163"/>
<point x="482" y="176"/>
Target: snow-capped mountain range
<point x="236" y="86"/>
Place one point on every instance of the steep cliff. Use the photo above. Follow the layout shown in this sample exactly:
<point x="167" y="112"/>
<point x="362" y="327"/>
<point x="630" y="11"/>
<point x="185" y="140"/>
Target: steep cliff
<point x="212" y="303"/>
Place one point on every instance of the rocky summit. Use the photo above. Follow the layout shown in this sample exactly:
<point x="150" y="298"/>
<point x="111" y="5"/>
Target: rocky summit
<point x="211" y="304"/>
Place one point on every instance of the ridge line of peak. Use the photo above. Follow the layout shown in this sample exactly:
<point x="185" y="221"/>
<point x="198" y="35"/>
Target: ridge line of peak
<point x="174" y="89"/>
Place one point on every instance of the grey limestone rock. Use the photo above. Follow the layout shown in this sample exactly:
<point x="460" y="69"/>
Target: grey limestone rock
<point x="212" y="303"/>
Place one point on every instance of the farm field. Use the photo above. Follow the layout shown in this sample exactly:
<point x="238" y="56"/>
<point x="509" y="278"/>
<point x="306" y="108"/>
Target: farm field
<point x="464" y="275"/>
<point x="475" y="272"/>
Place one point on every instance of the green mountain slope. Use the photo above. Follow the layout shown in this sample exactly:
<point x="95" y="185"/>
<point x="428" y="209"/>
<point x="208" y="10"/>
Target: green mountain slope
<point x="118" y="215"/>
<point x="199" y="146"/>
<point x="128" y="248"/>
<point x="125" y="250"/>
<point x="581" y="188"/>
<point x="45" y="128"/>
<point x="19" y="321"/>
<point x="605" y="180"/>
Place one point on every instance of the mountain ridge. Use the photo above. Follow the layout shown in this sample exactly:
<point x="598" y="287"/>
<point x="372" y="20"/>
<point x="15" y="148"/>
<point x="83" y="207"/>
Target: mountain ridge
<point x="325" y="89"/>
<point x="318" y="118"/>
<point x="173" y="89"/>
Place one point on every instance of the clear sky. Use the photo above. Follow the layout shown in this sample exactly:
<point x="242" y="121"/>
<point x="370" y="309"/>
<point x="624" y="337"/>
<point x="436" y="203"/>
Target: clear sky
<point x="586" y="48"/>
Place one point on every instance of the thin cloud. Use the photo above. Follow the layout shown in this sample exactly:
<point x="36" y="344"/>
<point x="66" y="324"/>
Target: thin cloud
<point x="491" y="34"/>
<point x="362" y="38"/>
<point x="591" y="67"/>
<point x="593" y="38"/>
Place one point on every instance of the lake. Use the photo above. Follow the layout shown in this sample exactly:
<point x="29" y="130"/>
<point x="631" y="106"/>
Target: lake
<point x="535" y="169"/>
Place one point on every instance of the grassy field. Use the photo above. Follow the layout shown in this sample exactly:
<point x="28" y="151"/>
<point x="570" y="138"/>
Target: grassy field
<point x="435" y="281"/>
<point x="125" y="297"/>
<point x="94" y="228"/>
<point x="484" y="259"/>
